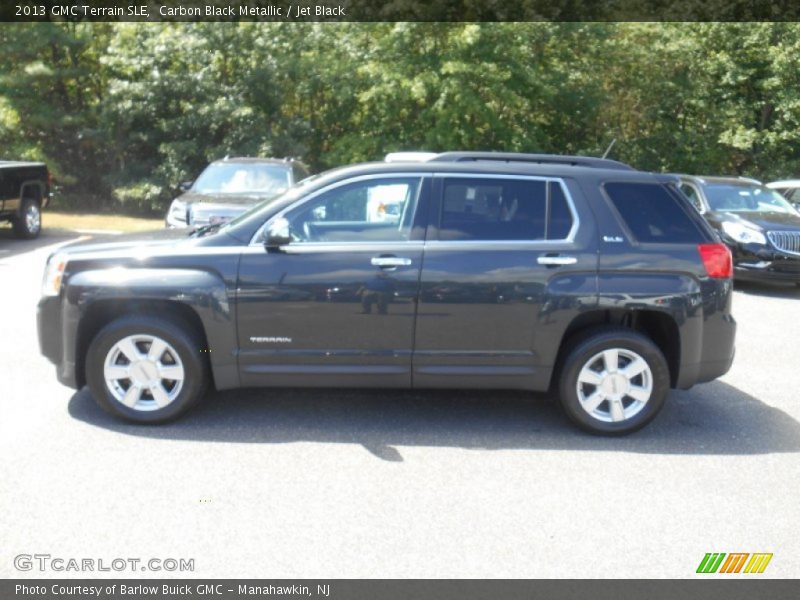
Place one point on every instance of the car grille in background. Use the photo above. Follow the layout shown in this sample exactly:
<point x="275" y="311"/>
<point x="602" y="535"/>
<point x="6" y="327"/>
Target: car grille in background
<point x="786" y="241"/>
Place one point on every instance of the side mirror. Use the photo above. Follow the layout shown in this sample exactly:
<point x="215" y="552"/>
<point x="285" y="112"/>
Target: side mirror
<point x="277" y="234"/>
<point x="185" y="186"/>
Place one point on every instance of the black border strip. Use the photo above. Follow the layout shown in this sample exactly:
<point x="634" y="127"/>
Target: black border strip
<point x="398" y="10"/>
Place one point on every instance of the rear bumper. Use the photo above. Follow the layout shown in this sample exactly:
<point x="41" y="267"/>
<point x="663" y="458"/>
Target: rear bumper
<point x="712" y="342"/>
<point x="712" y="369"/>
<point x="708" y="370"/>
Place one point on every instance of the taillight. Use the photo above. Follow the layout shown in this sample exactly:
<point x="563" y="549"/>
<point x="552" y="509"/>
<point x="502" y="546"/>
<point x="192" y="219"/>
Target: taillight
<point x="717" y="260"/>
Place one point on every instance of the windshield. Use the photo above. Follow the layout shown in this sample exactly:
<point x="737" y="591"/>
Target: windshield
<point x="243" y="178"/>
<point x="746" y="198"/>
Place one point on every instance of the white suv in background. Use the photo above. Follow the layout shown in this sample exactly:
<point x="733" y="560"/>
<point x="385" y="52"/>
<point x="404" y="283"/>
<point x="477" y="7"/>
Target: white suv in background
<point x="789" y="189"/>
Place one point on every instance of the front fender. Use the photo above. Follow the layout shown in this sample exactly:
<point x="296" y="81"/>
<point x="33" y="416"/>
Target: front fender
<point x="204" y="292"/>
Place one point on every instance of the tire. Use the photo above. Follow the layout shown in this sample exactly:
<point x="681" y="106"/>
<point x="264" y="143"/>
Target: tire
<point x="131" y="379"/>
<point x="616" y="400"/>
<point x="28" y="223"/>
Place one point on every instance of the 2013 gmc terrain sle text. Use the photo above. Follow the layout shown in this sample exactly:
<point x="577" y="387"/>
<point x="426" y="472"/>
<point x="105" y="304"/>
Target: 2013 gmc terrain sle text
<point x="579" y="276"/>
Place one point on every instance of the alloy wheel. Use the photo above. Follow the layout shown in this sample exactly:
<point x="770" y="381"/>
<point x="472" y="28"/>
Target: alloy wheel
<point x="143" y="372"/>
<point x="614" y="385"/>
<point x="33" y="218"/>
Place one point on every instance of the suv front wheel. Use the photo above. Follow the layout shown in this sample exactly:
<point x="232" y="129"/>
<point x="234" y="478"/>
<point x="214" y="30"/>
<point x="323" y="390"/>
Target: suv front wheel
<point x="145" y="369"/>
<point x="613" y="381"/>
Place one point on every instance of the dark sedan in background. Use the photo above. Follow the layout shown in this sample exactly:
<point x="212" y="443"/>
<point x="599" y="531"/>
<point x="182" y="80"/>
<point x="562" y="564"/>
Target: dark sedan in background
<point x="228" y="187"/>
<point x="759" y="225"/>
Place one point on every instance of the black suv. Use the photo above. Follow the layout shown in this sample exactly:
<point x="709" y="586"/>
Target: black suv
<point x="574" y="275"/>
<point x="228" y="187"/>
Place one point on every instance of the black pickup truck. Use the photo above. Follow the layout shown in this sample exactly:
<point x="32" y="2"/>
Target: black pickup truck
<point x="24" y="192"/>
<point x="576" y="275"/>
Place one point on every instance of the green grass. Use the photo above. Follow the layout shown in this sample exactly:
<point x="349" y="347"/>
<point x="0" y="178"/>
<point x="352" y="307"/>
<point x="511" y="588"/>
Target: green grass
<point x="98" y="222"/>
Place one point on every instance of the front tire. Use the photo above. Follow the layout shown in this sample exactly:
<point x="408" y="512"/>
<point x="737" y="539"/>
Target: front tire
<point x="28" y="223"/>
<point x="146" y="369"/>
<point x="613" y="381"/>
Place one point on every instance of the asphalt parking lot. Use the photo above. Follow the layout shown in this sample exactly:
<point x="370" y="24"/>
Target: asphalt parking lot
<point x="330" y="483"/>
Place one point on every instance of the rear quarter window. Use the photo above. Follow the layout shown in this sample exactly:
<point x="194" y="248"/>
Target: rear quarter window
<point x="653" y="214"/>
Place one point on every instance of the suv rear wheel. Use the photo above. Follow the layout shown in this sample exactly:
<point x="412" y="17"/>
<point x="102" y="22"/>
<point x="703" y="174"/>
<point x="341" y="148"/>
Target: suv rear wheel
<point x="613" y="381"/>
<point x="145" y="369"/>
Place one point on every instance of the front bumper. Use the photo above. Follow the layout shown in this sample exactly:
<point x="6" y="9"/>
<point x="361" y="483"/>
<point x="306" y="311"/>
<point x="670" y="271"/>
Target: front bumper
<point x="764" y="263"/>
<point x="50" y="332"/>
<point x="768" y="270"/>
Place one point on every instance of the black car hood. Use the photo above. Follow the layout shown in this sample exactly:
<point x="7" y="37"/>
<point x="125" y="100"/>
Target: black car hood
<point x="764" y="220"/>
<point x="232" y="199"/>
<point x="116" y="243"/>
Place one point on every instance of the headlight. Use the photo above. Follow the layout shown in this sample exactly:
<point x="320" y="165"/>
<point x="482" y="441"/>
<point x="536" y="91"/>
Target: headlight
<point x="53" y="274"/>
<point x="743" y="234"/>
<point x="176" y="215"/>
<point x="177" y="210"/>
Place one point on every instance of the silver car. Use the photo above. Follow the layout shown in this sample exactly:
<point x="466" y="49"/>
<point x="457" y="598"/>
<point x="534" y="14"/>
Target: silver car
<point x="228" y="187"/>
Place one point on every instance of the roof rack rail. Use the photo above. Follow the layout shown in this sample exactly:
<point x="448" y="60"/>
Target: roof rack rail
<point x="750" y="179"/>
<point x="412" y="156"/>
<point x="544" y="159"/>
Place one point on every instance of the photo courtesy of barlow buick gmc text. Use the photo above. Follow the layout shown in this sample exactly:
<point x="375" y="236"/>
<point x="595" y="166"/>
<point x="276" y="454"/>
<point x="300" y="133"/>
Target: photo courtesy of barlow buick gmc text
<point x="370" y="300"/>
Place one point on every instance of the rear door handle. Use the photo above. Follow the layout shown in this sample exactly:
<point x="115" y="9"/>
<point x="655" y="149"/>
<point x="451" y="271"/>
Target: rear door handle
<point x="390" y="262"/>
<point x="557" y="260"/>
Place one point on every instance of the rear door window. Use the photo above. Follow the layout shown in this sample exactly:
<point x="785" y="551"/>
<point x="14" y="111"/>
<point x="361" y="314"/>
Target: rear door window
<point x="497" y="209"/>
<point x="652" y="214"/>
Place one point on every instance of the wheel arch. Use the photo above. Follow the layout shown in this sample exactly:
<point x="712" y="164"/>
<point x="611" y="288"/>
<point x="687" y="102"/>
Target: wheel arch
<point x="102" y="312"/>
<point x="658" y="326"/>
<point x="33" y="189"/>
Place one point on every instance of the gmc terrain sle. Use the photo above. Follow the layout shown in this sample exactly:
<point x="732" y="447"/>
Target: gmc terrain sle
<point x="534" y="272"/>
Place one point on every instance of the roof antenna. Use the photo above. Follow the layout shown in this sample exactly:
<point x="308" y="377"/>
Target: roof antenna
<point x="610" y="146"/>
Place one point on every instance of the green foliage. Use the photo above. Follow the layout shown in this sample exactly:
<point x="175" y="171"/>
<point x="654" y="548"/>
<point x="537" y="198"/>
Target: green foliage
<point x="123" y="112"/>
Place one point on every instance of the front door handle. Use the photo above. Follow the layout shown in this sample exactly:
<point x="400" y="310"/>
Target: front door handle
<point x="556" y="260"/>
<point x="390" y="262"/>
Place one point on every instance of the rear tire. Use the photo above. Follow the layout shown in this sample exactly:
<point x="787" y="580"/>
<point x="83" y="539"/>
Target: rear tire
<point x="28" y="223"/>
<point x="146" y="369"/>
<point x="613" y="381"/>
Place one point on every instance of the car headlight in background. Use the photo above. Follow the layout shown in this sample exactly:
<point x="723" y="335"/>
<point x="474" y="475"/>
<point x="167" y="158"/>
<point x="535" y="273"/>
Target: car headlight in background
<point x="177" y="213"/>
<point x="53" y="274"/>
<point x="743" y="234"/>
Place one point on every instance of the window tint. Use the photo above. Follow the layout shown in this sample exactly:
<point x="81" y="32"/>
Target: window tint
<point x="653" y="214"/>
<point x="364" y="211"/>
<point x="502" y="209"/>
